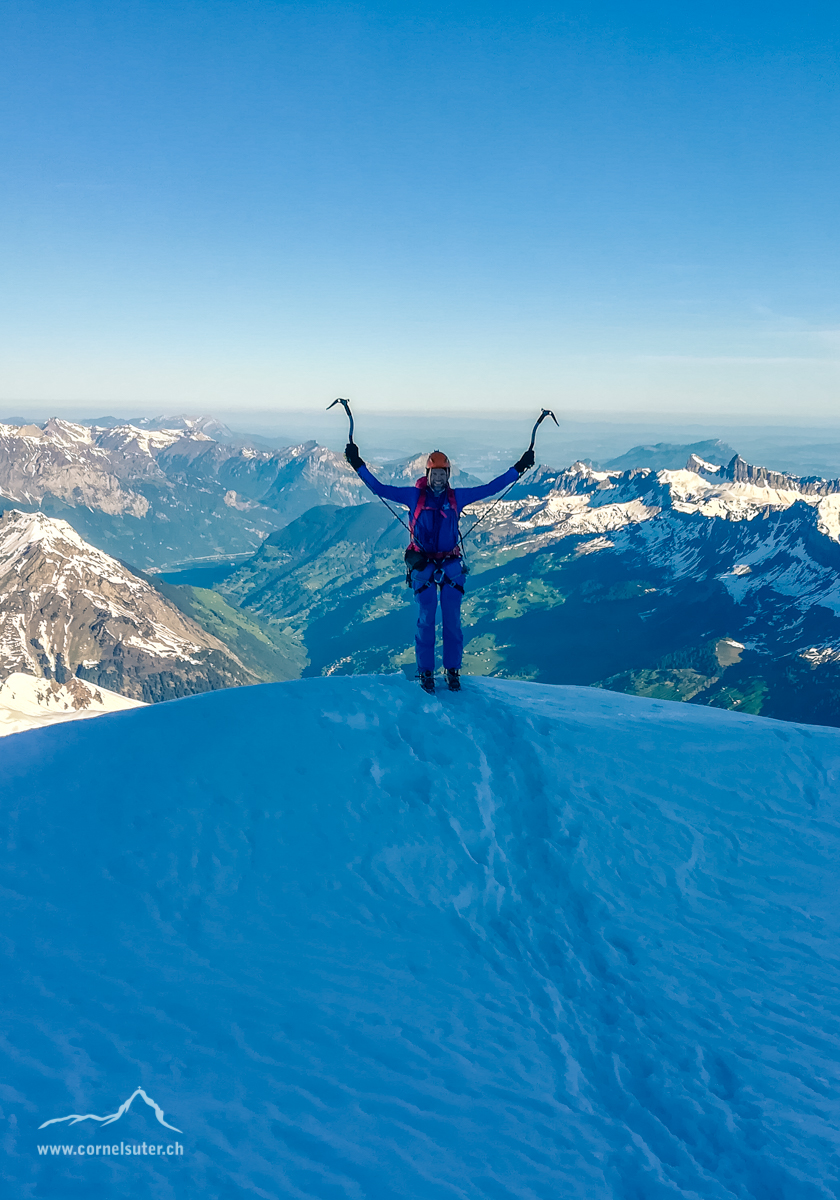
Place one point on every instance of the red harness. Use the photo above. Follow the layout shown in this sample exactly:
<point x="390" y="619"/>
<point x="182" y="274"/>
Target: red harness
<point x="422" y="486"/>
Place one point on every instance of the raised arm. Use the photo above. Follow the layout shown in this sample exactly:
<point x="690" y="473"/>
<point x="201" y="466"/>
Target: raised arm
<point x="402" y="495"/>
<point x="470" y="495"/>
<point x="405" y="495"/>
<point x="466" y="496"/>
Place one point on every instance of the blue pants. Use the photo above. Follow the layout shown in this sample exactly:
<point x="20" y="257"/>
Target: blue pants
<point x="450" y="611"/>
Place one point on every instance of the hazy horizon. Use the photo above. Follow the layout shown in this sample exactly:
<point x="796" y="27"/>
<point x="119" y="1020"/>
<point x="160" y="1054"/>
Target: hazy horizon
<point x="482" y="444"/>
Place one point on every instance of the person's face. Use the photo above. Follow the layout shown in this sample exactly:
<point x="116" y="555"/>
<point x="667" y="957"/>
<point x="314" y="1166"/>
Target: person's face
<point x="437" y="479"/>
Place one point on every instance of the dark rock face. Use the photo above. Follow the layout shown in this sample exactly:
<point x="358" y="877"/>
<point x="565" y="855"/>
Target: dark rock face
<point x="140" y="681"/>
<point x="740" y="471"/>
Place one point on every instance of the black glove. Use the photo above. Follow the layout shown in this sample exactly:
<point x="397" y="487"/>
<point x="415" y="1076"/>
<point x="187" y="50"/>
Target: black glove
<point x="351" y="453"/>
<point x="526" y="462"/>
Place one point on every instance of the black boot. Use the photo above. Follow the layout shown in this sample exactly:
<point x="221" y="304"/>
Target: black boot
<point x="453" y="678"/>
<point x="427" y="681"/>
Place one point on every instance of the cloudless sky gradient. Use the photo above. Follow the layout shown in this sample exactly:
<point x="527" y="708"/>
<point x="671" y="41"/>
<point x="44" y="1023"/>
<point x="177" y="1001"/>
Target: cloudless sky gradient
<point x="261" y="205"/>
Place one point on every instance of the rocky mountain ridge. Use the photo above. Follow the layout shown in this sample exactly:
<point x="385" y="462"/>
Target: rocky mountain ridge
<point x="738" y="470"/>
<point x="552" y="505"/>
<point x="69" y="611"/>
<point x="153" y="495"/>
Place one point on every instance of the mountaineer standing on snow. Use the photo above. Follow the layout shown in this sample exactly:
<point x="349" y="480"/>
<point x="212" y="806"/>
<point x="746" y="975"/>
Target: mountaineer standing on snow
<point x="433" y="557"/>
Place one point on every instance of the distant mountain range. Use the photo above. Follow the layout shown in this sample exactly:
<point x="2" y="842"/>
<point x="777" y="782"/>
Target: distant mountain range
<point x="719" y="585"/>
<point x="156" y="496"/>
<point x="663" y="456"/>
<point x="73" y="615"/>
<point x="715" y="582"/>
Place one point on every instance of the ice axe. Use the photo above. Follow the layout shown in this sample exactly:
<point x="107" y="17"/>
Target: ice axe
<point x="546" y="412"/>
<point x="346" y="406"/>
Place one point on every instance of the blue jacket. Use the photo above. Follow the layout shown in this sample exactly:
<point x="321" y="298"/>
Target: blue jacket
<point x="436" y="531"/>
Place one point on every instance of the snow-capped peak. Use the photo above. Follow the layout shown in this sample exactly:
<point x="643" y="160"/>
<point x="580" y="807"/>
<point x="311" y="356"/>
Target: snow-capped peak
<point x="580" y="500"/>
<point x="67" y="431"/>
<point x="699" y="465"/>
<point x="19" y="531"/>
<point x="67" y="607"/>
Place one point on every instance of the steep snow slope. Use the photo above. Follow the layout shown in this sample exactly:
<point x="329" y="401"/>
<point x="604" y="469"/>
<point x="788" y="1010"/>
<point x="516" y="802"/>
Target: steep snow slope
<point x="355" y="942"/>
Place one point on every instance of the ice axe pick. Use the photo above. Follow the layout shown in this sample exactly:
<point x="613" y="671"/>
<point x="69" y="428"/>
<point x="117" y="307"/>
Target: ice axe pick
<point x="346" y="406"/>
<point x="546" y="412"/>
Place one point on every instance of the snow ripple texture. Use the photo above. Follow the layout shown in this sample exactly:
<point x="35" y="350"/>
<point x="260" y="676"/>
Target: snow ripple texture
<point x="526" y="941"/>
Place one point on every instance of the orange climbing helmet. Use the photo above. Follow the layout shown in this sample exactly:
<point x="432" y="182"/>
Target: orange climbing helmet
<point x="438" y="459"/>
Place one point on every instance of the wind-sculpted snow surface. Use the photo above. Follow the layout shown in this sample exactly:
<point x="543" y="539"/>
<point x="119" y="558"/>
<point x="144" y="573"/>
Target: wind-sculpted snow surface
<point x="356" y="942"/>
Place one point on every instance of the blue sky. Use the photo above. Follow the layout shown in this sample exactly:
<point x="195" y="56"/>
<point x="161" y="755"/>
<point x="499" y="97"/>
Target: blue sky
<point x="259" y="205"/>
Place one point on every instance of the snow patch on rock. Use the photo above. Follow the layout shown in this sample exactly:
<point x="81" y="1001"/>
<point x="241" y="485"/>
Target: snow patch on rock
<point x="29" y="702"/>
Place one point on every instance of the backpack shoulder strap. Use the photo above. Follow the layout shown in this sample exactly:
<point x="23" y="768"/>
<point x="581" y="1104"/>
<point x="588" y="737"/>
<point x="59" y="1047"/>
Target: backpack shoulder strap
<point x="420" y="486"/>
